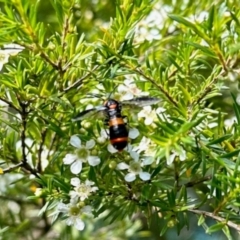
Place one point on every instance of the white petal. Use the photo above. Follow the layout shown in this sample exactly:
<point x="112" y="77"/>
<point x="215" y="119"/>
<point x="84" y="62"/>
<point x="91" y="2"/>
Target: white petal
<point x="73" y="195"/>
<point x="89" y="183"/>
<point x="103" y="133"/>
<point x="75" y="181"/>
<point x="1" y="66"/>
<point x="94" y="189"/>
<point x="69" y="221"/>
<point x="171" y="158"/>
<point x="93" y="160"/>
<point x="79" y="224"/>
<point x="130" y="177"/>
<point x="4" y="57"/>
<point x="147" y="160"/>
<point x="74" y="201"/>
<point x="111" y="149"/>
<point x="128" y="80"/>
<point x="87" y="209"/>
<point x="147" y="109"/>
<point x="160" y="110"/>
<point x="148" y="120"/>
<point x="122" y="166"/>
<point x="76" y="167"/>
<point x="69" y="158"/>
<point x="134" y="155"/>
<point x="127" y="96"/>
<point x="61" y="207"/>
<point x="141" y="114"/>
<point x="182" y="155"/>
<point x="133" y="133"/>
<point x="122" y="88"/>
<point x="145" y="176"/>
<point x="90" y="144"/>
<point x="75" y="141"/>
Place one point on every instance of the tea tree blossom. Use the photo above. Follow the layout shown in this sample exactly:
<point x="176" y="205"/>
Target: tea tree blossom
<point x="129" y="90"/>
<point x="180" y="152"/>
<point x="135" y="167"/>
<point x="143" y="145"/>
<point x="82" y="155"/>
<point x="74" y="211"/>
<point x="82" y="190"/>
<point x="149" y="114"/>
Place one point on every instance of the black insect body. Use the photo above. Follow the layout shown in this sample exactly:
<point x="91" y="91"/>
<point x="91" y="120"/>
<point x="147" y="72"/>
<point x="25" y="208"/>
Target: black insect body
<point x="118" y="131"/>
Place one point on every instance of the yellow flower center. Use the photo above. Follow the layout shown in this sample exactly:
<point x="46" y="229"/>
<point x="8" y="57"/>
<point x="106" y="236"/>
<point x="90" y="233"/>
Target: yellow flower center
<point x="74" y="211"/>
<point x="82" y="153"/>
<point x="135" y="167"/>
<point x="83" y="189"/>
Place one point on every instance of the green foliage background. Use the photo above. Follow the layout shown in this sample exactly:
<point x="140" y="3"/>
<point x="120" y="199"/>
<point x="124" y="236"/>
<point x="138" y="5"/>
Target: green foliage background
<point x="191" y="63"/>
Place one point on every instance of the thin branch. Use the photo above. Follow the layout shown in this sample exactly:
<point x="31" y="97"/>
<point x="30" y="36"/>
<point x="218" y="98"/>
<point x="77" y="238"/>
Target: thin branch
<point x="23" y="132"/>
<point x="168" y="96"/>
<point x="10" y="169"/>
<point x="39" y="166"/>
<point x="45" y="57"/>
<point x="25" y="164"/>
<point x="195" y="182"/>
<point x="25" y="167"/>
<point x="210" y="86"/>
<point x="10" y="104"/>
<point x="221" y="59"/>
<point x="219" y="219"/>
<point x="38" y="49"/>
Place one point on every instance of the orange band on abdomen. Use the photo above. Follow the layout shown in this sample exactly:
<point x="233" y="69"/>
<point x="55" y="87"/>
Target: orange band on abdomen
<point x="115" y="121"/>
<point x="121" y="139"/>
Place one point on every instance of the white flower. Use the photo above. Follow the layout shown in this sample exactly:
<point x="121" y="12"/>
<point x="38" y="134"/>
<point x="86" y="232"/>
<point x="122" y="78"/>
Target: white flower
<point x="82" y="190"/>
<point x="149" y="114"/>
<point x="135" y="167"/>
<point x="103" y="136"/>
<point x="10" y="50"/>
<point x="73" y="212"/>
<point x="129" y="89"/>
<point x="143" y="145"/>
<point x="180" y="152"/>
<point x="133" y="133"/>
<point x="111" y="149"/>
<point x="81" y="155"/>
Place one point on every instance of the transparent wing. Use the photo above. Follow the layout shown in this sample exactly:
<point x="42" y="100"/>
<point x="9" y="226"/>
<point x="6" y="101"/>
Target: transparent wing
<point x="141" y="101"/>
<point x="88" y="113"/>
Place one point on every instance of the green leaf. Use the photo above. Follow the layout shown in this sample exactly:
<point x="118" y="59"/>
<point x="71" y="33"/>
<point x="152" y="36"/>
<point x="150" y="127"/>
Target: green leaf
<point x="201" y="220"/>
<point x="219" y="140"/>
<point x="58" y="7"/>
<point x="236" y="108"/>
<point x="208" y="51"/>
<point x="164" y="229"/>
<point x="191" y="25"/>
<point x="216" y="227"/>
<point x="231" y="154"/>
